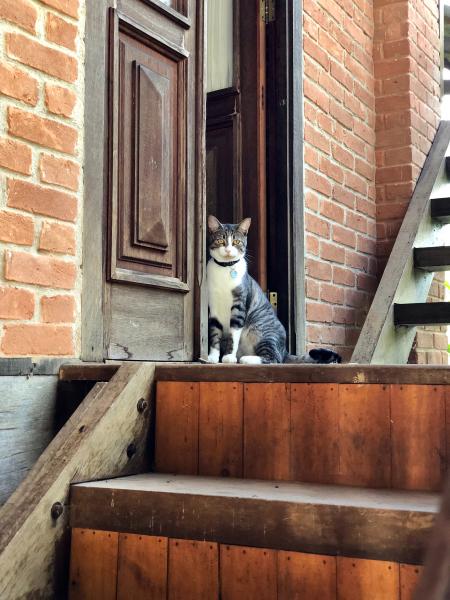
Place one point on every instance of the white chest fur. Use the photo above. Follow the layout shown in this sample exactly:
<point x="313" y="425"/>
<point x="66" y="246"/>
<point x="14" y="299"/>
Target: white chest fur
<point x="220" y="289"/>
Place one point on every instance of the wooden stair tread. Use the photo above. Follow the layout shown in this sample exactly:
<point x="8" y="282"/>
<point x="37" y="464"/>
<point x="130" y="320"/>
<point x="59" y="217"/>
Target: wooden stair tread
<point x="379" y="524"/>
<point x="422" y="313"/>
<point x="435" y="258"/>
<point x="440" y="209"/>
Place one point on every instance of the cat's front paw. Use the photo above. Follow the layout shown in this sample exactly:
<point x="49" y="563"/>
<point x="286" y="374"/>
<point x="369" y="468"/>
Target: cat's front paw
<point x="325" y="356"/>
<point x="229" y="358"/>
<point x="213" y="356"/>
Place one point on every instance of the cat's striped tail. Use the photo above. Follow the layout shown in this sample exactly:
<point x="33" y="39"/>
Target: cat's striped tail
<point x="317" y="356"/>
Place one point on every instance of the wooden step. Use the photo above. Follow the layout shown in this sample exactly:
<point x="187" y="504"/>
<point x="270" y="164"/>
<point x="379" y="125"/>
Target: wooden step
<point x="422" y="313"/>
<point x="440" y="209"/>
<point x="436" y="258"/>
<point x="374" y="435"/>
<point x="376" y="524"/>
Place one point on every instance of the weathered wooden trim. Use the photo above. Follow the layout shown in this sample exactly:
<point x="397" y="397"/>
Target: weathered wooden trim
<point x="286" y="516"/>
<point x="95" y="173"/>
<point x="380" y="342"/>
<point x="412" y="374"/>
<point x="94" y="443"/>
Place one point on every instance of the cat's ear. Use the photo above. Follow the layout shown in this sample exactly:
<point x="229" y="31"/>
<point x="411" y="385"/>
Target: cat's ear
<point x="244" y="225"/>
<point x="213" y="224"/>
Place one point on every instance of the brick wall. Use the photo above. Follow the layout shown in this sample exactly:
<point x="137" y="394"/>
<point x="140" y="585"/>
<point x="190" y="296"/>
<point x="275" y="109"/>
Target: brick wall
<point x="339" y="169"/>
<point x="371" y="90"/>
<point x="41" y="157"/>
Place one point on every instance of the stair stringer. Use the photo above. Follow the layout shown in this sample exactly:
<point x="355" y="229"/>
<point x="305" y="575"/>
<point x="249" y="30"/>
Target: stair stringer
<point x="380" y="341"/>
<point x="95" y="443"/>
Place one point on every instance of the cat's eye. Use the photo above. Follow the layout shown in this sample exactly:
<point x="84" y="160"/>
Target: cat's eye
<point x="220" y="242"/>
<point x="237" y="243"/>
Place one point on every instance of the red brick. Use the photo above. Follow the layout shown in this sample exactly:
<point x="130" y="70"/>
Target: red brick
<point x="318" y="182"/>
<point x="323" y="313"/>
<point x="332" y="252"/>
<point x="317" y="139"/>
<point x="344" y="236"/>
<point x="40" y="57"/>
<point x="316" y="95"/>
<point x="44" y="201"/>
<point x="344" y="315"/>
<point x="356" y="222"/>
<point x="15" y="156"/>
<point x="355" y="298"/>
<point x="342" y="115"/>
<point x="56" y="237"/>
<point x="331" y="170"/>
<point x="39" y="270"/>
<point x="344" y="276"/>
<point x="318" y="269"/>
<point x="17" y="84"/>
<point x="60" y="32"/>
<point x="59" y="171"/>
<point x="356" y="261"/>
<point x="331" y="293"/>
<point x="42" y="131"/>
<point x="16" y="303"/>
<point x="332" y="211"/>
<point x="355" y="182"/>
<point x="59" y="100"/>
<point x="331" y="47"/>
<point x="367" y="283"/>
<point x="58" y="309"/>
<point x="344" y="196"/>
<point x="312" y="289"/>
<point x="16" y="228"/>
<point x="316" y="52"/>
<point x="317" y="225"/>
<point x="35" y="339"/>
<point x="19" y="12"/>
<point x="312" y="245"/>
<point x="68" y="7"/>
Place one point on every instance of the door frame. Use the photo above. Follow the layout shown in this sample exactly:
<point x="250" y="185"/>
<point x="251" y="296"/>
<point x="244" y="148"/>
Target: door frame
<point x="288" y="169"/>
<point x="286" y="243"/>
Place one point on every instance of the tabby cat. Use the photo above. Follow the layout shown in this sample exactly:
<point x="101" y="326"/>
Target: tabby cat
<point x="243" y="326"/>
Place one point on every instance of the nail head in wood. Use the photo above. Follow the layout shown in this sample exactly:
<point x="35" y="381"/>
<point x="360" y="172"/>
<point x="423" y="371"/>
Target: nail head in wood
<point x="142" y="405"/>
<point x="131" y="450"/>
<point x="57" y="510"/>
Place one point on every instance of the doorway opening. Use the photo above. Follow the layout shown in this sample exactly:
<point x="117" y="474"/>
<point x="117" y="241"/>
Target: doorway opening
<point x="254" y="156"/>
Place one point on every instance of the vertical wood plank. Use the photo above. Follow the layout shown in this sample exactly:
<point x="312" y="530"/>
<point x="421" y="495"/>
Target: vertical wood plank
<point x="418" y="436"/>
<point x="142" y="567"/>
<point x="247" y="573"/>
<point x="193" y="570"/>
<point x="177" y="427"/>
<point x="314" y="432"/>
<point x="93" y="565"/>
<point x="306" y="576"/>
<point x="220" y="429"/>
<point x="364" y="579"/>
<point x="409" y="576"/>
<point x="364" y="435"/>
<point x="267" y="408"/>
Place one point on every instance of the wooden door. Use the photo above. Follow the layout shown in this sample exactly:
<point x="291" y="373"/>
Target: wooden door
<point x="155" y="121"/>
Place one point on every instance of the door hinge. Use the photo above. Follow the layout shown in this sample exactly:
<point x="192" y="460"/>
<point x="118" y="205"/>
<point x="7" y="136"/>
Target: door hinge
<point x="273" y="299"/>
<point x="268" y="11"/>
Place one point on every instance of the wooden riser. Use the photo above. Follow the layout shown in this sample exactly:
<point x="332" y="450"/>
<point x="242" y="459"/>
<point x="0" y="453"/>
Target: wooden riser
<point x="435" y="258"/>
<point x="385" y="436"/>
<point x="440" y="209"/>
<point x="111" y="566"/>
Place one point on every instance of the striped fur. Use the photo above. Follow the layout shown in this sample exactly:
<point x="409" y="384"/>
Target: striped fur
<point x="243" y="326"/>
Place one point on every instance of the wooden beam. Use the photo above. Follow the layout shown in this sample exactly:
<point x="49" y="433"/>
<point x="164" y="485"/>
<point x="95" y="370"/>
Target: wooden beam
<point x="435" y="258"/>
<point x="321" y="519"/>
<point x="105" y="437"/>
<point x="414" y="374"/>
<point x="380" y="342"/>
<point x="422" y="313"/>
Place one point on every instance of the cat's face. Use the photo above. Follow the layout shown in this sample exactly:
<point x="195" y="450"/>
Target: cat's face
<point x="227" y="242"/>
